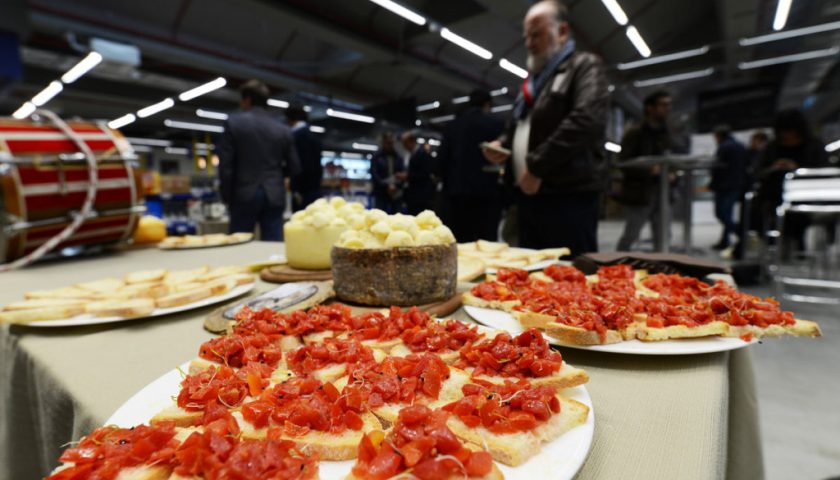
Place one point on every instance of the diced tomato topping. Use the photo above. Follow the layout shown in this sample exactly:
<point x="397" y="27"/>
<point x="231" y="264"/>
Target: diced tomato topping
<point x="526" y="355"/>
<point x="507" y="408"/>
<point x="420" y="442"/>
<point x="747" y="337"/>
<point x="220" y="384"/>
<point x="310" y="358"/>
<point x="238" y="350"/>
<point x="438" y="337"/>
<point x="564" y="273"/>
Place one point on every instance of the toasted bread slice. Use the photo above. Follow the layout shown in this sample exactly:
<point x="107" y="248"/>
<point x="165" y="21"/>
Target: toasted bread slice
<point x="44" y="303"/>
<point x="141" y="290"/>
<point x="470" y="268"/>
<point x="569" y="335"/>
<point x="490" y="247"/>
<point x="401" y="350"/>
<point x="467" y="247"/>
<point x="802" y="328"/>
<point x="146" y="276"/>
<point x="221" y="272"/>
<point x="184" y="298"/>
<point x="40" y="314"/>
<point x="215" y="239"/>
<point x="136" y="307"/>
<point x="174" y="413"/>
<point x="553" y="253"/>
<point x="506" y="305"/>
<point x="221" y="285"/>
<point x="142" y="472"/>
<point x="65" y="292"/>
<point x="502" y="263"/>
<point x="533" y="319"/>
<point x="515" y="448"/>
<point x="567" y="377"/>
<point x="105" y="285"/>
<point x="241" y="236"/>
<point x="655" y="334"/>
<point x="450" y="391"/>
<point x="328" y="446"/>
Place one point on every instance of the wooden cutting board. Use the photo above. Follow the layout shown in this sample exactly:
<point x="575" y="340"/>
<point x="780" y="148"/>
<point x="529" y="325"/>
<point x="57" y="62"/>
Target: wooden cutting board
<point x="286" y="274"/>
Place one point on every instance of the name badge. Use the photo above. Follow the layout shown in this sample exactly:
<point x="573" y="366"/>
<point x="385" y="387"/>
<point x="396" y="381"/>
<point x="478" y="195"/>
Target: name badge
<point x="558" y="80"/>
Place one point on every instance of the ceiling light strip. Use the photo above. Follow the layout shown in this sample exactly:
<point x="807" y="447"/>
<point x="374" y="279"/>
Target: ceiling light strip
<point x="674" y="78"/>
<point x="203" y="89"/>
<point x="797" y="57"/>
<point x="796" y="32"/>
<point x="54" y="88"/>
<point x="664" y="58"/>
<point x="428" y="106"/>
<point x="202" y="127"/>
<point x="513" y="68"/>
<point x="24" y="111"/>
<point x="365" y="146"/>
<point x="85" y="65"/>
<point x="616" y="11"/>
<point x="404" y="12"/>
<point x="273" y="102"/>
<point x="156" y="108"/>
<point x="636" y="39"/>
<point x="211" y="115"/>
<point x="350" y="116"/>
<point x="467" y="45"/>
<point x="122" y="121"/>
<point x="782" y="12"/>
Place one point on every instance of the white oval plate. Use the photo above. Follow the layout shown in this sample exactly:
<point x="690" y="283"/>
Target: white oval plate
<point x="532" y="267"/>
<point x="87" y="319"/>
<point x="559" y="459"/>
<point x="687" y="346"/>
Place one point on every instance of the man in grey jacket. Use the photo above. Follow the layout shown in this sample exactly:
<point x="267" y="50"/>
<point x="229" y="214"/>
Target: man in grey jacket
<point x="556" y="137"/>
<point x="256" y="157"/>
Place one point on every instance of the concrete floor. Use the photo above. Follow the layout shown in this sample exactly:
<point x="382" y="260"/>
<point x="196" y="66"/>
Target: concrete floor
<point x="798" y="380"/>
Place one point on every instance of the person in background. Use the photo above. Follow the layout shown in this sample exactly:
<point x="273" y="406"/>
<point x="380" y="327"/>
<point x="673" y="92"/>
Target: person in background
<point x="422" y="182"/>
<point x="755" y="150"/>
<point x="640" y="185"/>
<point x="305" y="186"/>
<point x="794" y="146"/>
<point x="556" y="136"/>
<point x="256" y="155"/>
<point x="388" y="173"/>
<point x="471" y="184"/>
<point x="728" y="179"/>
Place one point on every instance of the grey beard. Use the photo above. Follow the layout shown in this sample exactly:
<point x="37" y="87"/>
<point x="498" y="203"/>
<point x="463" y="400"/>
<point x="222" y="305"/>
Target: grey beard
<point x="536" y="63"/>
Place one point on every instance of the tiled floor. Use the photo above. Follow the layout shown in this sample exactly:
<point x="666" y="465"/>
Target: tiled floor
<point x="798" y="380"/>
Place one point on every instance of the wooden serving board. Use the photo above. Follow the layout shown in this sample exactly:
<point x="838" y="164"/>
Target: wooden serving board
<point x="441" y="309"/>
<point x="286" y="274"/>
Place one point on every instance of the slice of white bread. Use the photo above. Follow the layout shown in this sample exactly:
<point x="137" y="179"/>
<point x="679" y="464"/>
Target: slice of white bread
<point x="490" y="247"/>
<point x="142" y="472"/>
<point x="802" y="328"/>
<point x="565" y="334"/>
<point x="328" y="446"/>
<point x="64" y="292"/>
<point x="40" y="314"/>
<point x="470" y="268"/>
<point x="104" y="285"/>
<point x="184" y="298"/>
<point x="567" y="377"/>
<point x="222" y="272"/>
<point x="136" y="307"/>
<point x="184" y="276"/>
<point x="145" y="276"/>
<point x="181" y="417"/>
<point x="504" y="305"/>
<point x="401" y="350"/>
<point x="44" y="303"/>
<point x="141" y="290"/>
<point x="654" y="334"/>
<point x="515" y="448"/>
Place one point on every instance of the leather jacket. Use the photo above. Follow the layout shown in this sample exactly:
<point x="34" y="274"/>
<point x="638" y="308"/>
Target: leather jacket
<point x="568" y="122"/>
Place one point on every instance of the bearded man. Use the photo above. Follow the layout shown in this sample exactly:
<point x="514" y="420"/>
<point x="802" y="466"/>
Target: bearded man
<point x="556" y="136"/>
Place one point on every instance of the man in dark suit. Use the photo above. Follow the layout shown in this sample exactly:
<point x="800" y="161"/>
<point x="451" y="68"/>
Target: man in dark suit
<point x="388" y="173"/>
<point x="472" y="185"/>
<point x="256" y="153"/>
<point x="422" y="182"/>
<point x="728" y="181"/>
<point x="556" y="137"/>
<point x="306" y="186"/>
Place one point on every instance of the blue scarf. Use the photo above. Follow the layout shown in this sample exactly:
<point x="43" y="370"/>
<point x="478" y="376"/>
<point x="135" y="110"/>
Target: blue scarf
<point x="532" y="86"/>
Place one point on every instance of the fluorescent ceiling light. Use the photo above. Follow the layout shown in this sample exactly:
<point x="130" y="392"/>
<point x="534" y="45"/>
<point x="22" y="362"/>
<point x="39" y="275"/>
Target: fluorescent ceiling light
<point x="674" y="78"/>
<point x="307" y="108"/>
<point x="501" y="91"/>
<point x="502" y="108"/>
<point x="616" y="11"/>
<point x="442" y="119"/>
<point x="154" y="142"/>
<point x="317" y="129"/>
<point x="637" y="41"/>
<point x="513" y="68"/>
<point x="463" y="99"/>
<point x="156" y="108"/>
<point x="24" y="111"/>
<point x="664" y="58"/>
<point x="417" y="123"/>
<point x="350" y="116"/>
<point x="428" y="106"/>
<point x="141" y="148"/>
<point x="796" y="32"/>
<point x="351" y="155"/>
<point x="85" y="65"/>
<point x="434" y="142"/>
<point x="797" y="57"/>
<point x="203" y="127"/>
<point x="176" y="151"/>
<point x="613" y="147"/>
<point x="782" y="11"/>
<point x="327" y="153"/>
<point x="833" y="146"/>
<point x="122" y="121"/>
<point x="54" y="88"/>
<point x="421" y="141"/>
<point x="202" y="89"/>
<point x="407" y="14"/>
<point x="211" y="115"/>
<point x="465" y="44"/>
<point x="365" y="146"/>
<point x="273" y="102"/>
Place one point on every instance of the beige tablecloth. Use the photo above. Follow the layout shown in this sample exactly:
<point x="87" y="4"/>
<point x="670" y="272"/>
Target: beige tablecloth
<point x="669" y="417"/>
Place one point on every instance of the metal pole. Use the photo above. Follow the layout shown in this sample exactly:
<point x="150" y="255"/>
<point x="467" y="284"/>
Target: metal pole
<point x="688" y="199"/>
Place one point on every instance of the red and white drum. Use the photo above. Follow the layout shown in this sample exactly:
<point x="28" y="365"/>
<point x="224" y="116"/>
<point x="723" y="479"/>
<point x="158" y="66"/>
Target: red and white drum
<point x="44" y="181"/>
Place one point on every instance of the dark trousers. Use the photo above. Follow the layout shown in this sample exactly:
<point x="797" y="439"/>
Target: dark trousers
<point x="244" y="217"/>
<point x="725" y="201"/>
<point x="547" y="221"/>
<point x="472" y="218"/>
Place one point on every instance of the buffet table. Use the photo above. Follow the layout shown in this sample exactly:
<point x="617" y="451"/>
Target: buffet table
<point x="655" y="417"/>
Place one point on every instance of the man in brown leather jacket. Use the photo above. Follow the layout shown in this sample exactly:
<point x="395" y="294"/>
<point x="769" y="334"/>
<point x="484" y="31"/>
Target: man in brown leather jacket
<point x="556" y="136"/>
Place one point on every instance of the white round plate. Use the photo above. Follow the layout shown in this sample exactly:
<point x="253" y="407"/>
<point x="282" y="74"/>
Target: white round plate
<point x="87" y="319"/>
<point x="532" y="267"/>
<point x="196" y="247"/>
<point x="559" y="459"/>
<point x="687" y="346"/>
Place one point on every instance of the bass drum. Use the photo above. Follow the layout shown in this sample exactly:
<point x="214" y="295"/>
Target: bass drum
<point x="44" y="181"/>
